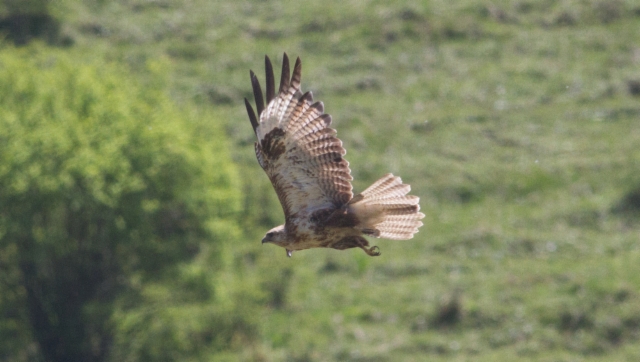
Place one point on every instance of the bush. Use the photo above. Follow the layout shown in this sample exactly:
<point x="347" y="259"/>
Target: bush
<point x="112" y="197"/>
<point x="24" y="20"/>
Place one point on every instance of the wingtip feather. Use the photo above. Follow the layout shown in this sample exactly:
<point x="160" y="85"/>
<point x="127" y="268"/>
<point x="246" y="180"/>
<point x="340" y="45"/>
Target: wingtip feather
<point x="285" y="76"/>
<point x="271" y="88"/>
<point x="297" y="74"/>
<point x="252" y="115"/>
<point x="257" y="92"/>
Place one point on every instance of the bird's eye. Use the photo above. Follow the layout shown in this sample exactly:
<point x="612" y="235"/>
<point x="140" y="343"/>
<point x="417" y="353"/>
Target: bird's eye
<point x="269" y="235"/>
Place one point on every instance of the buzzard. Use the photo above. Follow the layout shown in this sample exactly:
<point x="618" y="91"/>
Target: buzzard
<point x="305" y="162"/>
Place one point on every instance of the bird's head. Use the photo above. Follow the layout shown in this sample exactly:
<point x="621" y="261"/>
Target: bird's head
<point x="277" y="235"/>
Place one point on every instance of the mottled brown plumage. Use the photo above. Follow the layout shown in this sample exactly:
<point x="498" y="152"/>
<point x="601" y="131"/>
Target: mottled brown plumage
<point x="305" y="162"/>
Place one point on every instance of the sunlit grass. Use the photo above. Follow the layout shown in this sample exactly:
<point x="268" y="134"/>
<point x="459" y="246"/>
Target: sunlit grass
<point x="514" y="123"/>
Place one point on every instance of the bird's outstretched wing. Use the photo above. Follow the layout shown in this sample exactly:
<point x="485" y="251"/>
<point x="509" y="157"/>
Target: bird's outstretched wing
<point x="299" y="152"/>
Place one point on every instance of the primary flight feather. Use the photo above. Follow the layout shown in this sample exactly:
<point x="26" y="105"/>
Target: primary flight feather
<point x="305" y="162"/>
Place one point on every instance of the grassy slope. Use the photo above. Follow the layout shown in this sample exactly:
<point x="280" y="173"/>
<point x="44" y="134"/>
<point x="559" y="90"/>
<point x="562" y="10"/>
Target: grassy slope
<point x="513" y="121"/>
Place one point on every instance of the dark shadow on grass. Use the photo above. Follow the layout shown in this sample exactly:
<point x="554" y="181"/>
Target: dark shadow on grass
<point x="629" y="204"/>
<point x="448" y="312"/>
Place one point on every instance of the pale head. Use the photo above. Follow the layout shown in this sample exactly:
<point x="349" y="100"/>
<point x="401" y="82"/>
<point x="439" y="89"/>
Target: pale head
<point x="277" y="235"/>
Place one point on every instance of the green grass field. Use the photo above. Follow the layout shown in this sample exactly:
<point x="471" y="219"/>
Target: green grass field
<point x="516" y="122"/>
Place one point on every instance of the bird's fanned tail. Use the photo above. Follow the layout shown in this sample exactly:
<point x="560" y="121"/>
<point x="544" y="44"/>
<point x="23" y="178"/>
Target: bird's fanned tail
<point x="386" y="211"/>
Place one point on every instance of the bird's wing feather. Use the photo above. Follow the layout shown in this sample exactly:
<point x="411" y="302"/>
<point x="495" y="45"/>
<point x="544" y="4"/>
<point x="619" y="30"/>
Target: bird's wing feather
<point x="299" y="152"/>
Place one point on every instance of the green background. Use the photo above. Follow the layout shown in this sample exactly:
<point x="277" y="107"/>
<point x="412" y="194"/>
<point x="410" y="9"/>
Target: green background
<point x="132" y="206"/>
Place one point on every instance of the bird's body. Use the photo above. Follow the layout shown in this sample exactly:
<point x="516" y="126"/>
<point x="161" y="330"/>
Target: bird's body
<point x="304" y="161"/>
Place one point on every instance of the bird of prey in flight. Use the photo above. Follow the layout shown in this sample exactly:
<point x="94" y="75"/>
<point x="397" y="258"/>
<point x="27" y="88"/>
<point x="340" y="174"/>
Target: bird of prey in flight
<point x="305" y="162"/>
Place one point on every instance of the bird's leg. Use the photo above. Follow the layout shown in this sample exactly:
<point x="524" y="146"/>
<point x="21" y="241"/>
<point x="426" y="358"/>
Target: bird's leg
<point x="289" y="252"/>
<point x="372" y="251"/>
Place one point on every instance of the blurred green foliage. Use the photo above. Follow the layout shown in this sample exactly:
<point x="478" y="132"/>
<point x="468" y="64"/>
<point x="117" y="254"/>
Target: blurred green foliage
<point x="24" y="6"/>
<point x="115" y="203"/>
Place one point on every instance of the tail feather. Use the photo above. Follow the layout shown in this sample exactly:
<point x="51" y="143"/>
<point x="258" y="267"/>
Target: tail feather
<point x="391" y="220"/>
<point x="397" y="235"/>
<point x="385" y="208"/>
<point x="402" y="200"/>
<point x="381" y="184"/>
<point x="397" y="209"/>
